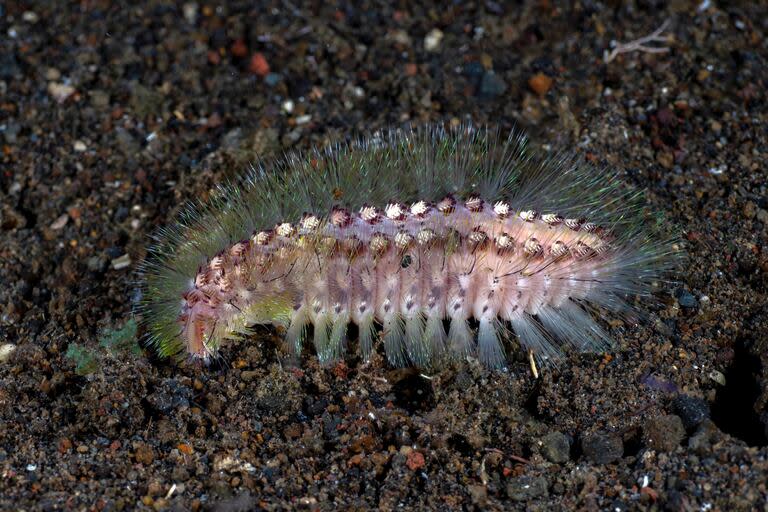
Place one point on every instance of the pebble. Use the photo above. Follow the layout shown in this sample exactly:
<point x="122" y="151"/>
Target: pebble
<point x="170" y="395"/>
<point x="144" y="454"/>
<point x="122" y="262"/>
<point x="249" y="375"/>
<point x="99" y="98"/>
<point x="259" y="65"/>
<point x="60" y="222"/>
<point x="692" y="410"/>
<point x="10" y="132"/>
<point x="556" y="447"/>
<point x="491" y="85"/>
<point x="6" y="349"/>
<point x="524" y="488"/>
<point x="272" y="79"/>
<point x="30" y="17"/>
<point x="602" y="448"/>
<point x="79" y="146"/>
<point x="717" y="376"/>
<point x="540" y="83"/>
<point x="60" y="92"/>
<point x="189" y="9"/>
<point x="96" y="264"/>
<point x="126" y="142"/>
<point x="52" y="74"/>
<point x="9" y="66"/>
<point x="686" y="299"/>
<point x="303" y="119"/>
<point x="663" y="433"/>
<point x="701" y="440"/>
<point x="433" y="39"/>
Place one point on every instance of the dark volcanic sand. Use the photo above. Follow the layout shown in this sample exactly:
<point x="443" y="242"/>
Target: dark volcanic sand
<point x="111" y="118"/>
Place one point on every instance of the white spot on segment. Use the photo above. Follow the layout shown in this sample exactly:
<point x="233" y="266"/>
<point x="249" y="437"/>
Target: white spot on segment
<point x="419" y="209"/>
<point x="369" y="214"/>
<point x="262" y="238"/>
<point x="403" y="239"/>
<point x="394" y="211"/>
<point x="474" y="204"/>
<point x="285" y="229"/>
<point x="425" y="236"/>
<point x="552" y="219"/>
<point x="310" y="223"/>
<point x="501" y="209"/>
<point x="446" y="205"/>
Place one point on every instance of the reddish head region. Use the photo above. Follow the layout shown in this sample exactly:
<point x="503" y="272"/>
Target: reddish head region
<point x="403" y="272"/>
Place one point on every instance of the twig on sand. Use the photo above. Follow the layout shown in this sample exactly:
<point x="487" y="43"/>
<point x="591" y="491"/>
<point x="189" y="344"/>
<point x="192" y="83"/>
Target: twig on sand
<point x="641" y="44"/>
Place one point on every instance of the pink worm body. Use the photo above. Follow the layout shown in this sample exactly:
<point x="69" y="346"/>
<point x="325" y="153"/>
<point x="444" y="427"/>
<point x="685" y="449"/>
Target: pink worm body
<point x="409" y="269"/>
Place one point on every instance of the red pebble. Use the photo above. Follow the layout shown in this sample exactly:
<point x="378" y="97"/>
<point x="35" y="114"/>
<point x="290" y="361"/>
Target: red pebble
<point x="415" y="460"/>
<point x="259" y="65"/>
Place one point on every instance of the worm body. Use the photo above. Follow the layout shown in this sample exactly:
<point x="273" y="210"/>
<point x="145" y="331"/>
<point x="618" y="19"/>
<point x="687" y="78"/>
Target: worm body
<point x="441" y="243"/>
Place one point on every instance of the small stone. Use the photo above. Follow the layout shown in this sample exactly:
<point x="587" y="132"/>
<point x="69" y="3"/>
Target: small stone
<point x="82" y="449"/>
<point x="60" y="92"/>
<point x="686" y="299"/>
<point x="717" y="376"/>
<point x="272" y="79"/>
<point x="10" y="132"/>
<point x="79" y="146"/>
<point x="479" y="494"/>
<point x="154" y="488"/>
<point x="692" y="410"/>
<point x="99" y="98"/>
<point x="415" y="460"/>
<point x="144" y="454"/>
<point x="556" y="447"/>
<point x="666" y="159"/>
<point x="9" y="66"/>
<point x="6" y="349"/>
<point x="602" y="448"/>
<point x="11" y="219"/>
<point x="433" y="39"/>
<point x="122" y="262"/>
<point x="160" y="504"/>
<point x="126" y="142"/>
<point x="663" y="433"/>
<point x="52" y="74"/>
<point x="524" y="488"/>
<point x="749" y="210"/>
<point x="701" y="440"/>
<point x="762" y="215"/>
<point x="249" y="375"/>
<point x="491" y="85"/>
<point x="60" y="222"/>
<point x="96" y="264"/>
<point x="30" y="17"/>
<point x="259" y="65"/>
<point x="303" y="119"/>
<point x="189" y="9"/>
<point x="540" y="83"/>
<point x="64" y="445"/>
